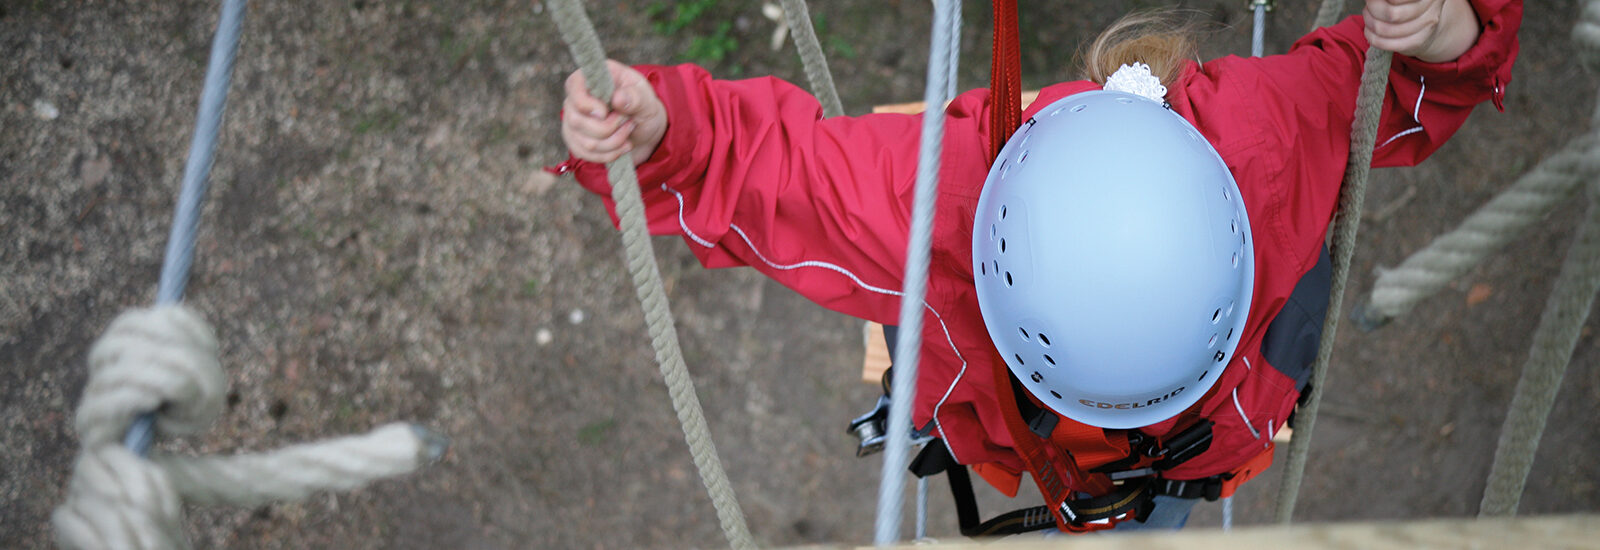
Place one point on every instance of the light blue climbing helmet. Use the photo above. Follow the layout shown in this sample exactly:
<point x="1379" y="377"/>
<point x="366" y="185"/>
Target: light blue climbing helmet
<point x="1113" y="260"/>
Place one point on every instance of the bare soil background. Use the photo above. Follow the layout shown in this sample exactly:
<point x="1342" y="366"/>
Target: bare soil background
<point x="379" y="244"/>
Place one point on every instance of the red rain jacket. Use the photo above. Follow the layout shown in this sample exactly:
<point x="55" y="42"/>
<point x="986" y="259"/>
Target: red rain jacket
<point x="750" y="174"/>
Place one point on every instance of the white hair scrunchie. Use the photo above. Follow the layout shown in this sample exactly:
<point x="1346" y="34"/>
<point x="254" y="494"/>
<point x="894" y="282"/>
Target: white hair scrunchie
<point x="1136" y="79"/>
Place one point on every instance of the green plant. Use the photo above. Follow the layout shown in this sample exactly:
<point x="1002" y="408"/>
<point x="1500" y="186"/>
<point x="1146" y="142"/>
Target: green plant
<point x="710" y="41"/>
<point x="712" y="48"/>
<point x="595" y="432"/>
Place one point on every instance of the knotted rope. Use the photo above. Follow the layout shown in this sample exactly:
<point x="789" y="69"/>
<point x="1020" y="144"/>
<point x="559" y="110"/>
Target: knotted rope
<point x="1352" y="195"/>
<point x="164" y="359"/>
<point x="580" y="37"/>
<point x="811" y="56"/>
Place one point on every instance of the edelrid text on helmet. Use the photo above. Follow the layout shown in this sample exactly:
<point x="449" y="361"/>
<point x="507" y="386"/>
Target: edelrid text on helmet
<point x="1113" y="260"/>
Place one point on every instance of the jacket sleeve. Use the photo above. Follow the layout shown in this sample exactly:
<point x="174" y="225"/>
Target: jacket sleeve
<point x="749" y="173"/>
<point x="1287" y="118"/>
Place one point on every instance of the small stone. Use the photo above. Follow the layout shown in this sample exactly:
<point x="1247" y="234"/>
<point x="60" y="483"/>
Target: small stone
<point x="95" y="170"/>
<point x="538" y="183"/>
<point x="542" y="336"/>
<point x="44" y="110"/>
<point x="438" y="137"/>
<point x="575" y="317"/>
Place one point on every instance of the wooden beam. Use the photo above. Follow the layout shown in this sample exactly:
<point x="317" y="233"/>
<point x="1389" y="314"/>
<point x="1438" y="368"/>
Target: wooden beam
<point x="916" y="106"/>
<point x="1541" y="532"/>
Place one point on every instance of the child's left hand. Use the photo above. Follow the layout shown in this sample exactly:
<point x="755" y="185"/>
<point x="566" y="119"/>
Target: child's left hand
<point x="1435" y="31"/>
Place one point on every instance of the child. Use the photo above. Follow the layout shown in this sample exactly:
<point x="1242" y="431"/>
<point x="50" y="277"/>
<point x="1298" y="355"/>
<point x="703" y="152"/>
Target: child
<point x="1126" y="302"/>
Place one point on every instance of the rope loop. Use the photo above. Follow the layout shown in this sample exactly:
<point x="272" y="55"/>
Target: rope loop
<point x="118" y="500"/>
<point x="161" y="359"/>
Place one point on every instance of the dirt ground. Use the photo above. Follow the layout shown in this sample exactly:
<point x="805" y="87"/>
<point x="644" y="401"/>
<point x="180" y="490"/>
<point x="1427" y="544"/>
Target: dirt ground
<point x="379" y="244"/>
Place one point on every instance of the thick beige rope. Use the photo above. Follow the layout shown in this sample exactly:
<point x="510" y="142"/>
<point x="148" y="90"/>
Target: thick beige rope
<point x="811" y="56"/>
<point x="581" y="39"/>
<point x="1549" y="184"/>
<point x="1553" y="342"/>
<point x="164" y="359"/>
<point x="1363" y="135"/>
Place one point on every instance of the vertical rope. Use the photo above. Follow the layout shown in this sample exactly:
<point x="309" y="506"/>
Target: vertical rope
<point x="580" y="37"/>
<point x="816" y="63"/>
<point x="1363" y="135"/>
<point x="1328" y="13"/>
<point x="891" y="488"/>
<point x="1559" y="327"/>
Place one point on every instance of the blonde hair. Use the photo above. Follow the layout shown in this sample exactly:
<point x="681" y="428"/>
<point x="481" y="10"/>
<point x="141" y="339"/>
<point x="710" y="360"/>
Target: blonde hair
<point x="1163" y="39"/>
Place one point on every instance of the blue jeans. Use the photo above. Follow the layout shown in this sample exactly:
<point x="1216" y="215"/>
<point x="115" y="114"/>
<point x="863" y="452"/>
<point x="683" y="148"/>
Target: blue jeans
<point x="1170" y="513"/>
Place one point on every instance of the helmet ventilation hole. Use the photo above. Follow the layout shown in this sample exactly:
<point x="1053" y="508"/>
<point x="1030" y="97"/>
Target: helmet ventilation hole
<point x="1002" y="246"/>
<point x="1044" y="340"/>
<point x="1050" y="360"/>
<point x="983" y="269"/>
<point x="1229" y="311"/>
<point x="1125" y="100"/>
<point x="1019" y="359"/>
<point x="1008" y="279"/>
<point x="1079" y="108"/>
<point x="1233" y="226"/>
<point x="993" y="231"/>
<point x="1230" y="334"/>
<point x="1225" y="195"/>
<point x="1023" y="158"/>
<point x="1024" y="332"/>
<point x="1213" y="341"/>
<point x="1005" y="168"/>
<point x="1216" y="316"/>
<point x="997" y="267"/>
<point x="1002" y="211"/>
<point x="1037" y="378"/>
<point x="1055" y="394"/>
<point x="1235" y="259"/>
<point x="1203" y="375"/>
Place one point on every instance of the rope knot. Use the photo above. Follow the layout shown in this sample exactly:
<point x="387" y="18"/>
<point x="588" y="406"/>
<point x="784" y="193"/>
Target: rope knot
<point x="161" y="359"/>
<point x="164" y="359"/>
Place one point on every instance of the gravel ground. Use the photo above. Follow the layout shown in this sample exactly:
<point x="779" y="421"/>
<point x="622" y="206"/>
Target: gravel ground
<point x="379" y="245"/>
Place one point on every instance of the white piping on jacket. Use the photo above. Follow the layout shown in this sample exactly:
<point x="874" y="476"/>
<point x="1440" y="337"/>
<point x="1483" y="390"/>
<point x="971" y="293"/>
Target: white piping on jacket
<point x="1416" y="114"/>
<point x="857" y="280"/>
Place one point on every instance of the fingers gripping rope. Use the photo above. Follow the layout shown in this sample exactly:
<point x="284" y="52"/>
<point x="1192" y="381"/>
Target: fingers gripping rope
<point x="165" y="359"/>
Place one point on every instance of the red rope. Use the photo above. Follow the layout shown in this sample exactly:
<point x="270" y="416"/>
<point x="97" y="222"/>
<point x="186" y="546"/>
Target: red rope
<point x="1005" y="77"/>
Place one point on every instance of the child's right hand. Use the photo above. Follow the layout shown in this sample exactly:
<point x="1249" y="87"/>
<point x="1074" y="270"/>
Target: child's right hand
<point x="634" y="122"/>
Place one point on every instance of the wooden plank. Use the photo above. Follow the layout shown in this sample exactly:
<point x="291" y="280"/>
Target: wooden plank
<point x="916" y="106"/>
<point x="878" y="354"/>
<point x="1529" y="532"/>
